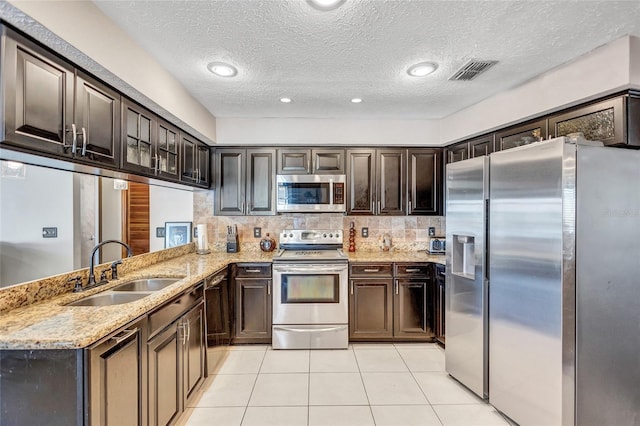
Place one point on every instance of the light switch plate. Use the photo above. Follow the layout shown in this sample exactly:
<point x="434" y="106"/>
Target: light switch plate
<point x="159" y="232"/>
<point x="50" y="232"/>
<point x="432" y="231"/>
<point x="257" y="232"/>
<point x="365" y="232"/>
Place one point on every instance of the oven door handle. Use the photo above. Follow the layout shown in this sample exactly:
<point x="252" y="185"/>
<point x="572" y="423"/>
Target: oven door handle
<point x="309" y="330"/>
<point x="310" y="269"/>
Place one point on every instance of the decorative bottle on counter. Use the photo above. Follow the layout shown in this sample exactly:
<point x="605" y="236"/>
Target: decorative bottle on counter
<point x="352" y="237"/>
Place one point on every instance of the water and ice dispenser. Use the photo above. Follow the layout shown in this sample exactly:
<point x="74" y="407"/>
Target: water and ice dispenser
<point x="463" y="256"/>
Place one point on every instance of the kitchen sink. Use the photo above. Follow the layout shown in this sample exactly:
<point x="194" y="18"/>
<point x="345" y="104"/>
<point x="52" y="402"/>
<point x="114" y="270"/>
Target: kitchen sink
<point x="147" y="284"/>
<point x="108" y="299"/>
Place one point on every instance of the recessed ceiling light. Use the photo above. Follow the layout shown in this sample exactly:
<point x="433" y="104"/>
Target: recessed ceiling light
<point x="356" y="100"/>
<point x="325" y="4"/>
<point x="221" y="69"/>
<point x="285" y="100"/>
<point x="422" y="69"/>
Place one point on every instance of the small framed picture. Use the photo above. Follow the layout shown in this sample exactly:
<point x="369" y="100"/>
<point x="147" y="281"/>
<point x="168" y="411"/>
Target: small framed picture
<point x="177" y="233"/>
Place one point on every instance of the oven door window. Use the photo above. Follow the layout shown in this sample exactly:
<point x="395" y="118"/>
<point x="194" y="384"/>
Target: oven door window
<point x="305" y="193"/>
<point x="310" y="288"/>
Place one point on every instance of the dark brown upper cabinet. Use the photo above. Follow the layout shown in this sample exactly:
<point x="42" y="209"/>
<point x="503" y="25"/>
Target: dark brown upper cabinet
<point x="457" y="152"/>
<point x="149" y="144"/>
<point x="245" y="181"/>
<point x="54" y="109"/>
<point x="425" y="177"/>
<point x="377" y="181"/>
<point x="195" y="161"/>
<point x="480" y="146"/>
<point x="603" y="121"/>
<point x="293" y="161"/>
<point x="391" y="190"/>
<point x="524" y="134"/>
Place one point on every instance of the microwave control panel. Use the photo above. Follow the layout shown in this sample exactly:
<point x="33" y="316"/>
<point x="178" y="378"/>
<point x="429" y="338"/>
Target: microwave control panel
<point x="338" y="193"/>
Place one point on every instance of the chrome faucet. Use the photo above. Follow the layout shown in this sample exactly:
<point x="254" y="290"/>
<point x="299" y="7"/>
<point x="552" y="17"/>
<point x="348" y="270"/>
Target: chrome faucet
<point x="92" y="278"/>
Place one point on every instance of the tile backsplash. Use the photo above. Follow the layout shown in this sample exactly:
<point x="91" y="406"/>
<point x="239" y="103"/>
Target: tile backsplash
<point x="408" y="233"/>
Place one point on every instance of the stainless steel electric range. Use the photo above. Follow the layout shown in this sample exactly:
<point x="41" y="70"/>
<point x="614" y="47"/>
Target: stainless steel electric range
<point x="310" y="285"/>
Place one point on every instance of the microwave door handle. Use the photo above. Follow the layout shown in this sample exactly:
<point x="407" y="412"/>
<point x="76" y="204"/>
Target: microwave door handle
<point x="331" y="191"/>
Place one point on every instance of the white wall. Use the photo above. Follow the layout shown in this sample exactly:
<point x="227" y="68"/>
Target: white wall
<point x="167" y="205"/>
<point x="279" y="131"/>
<point x="110" y="221"/>
<point x="42" y="199"/>
<point x="603" y="70"/>
<point x="84" y="26"/>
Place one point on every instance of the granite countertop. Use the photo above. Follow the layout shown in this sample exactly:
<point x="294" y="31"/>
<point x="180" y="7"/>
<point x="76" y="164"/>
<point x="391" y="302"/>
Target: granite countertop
<point x="395" y="256"/>
<point x="50" y="324"/>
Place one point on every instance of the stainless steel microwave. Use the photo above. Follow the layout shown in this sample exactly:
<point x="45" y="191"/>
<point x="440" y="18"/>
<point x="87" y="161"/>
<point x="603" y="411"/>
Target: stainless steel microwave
<point x="311" y="193"/>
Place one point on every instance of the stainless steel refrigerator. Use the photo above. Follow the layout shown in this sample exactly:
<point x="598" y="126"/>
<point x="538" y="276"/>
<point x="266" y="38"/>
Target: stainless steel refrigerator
<point x="564" y="289"/>
<point x="466" y="352"/>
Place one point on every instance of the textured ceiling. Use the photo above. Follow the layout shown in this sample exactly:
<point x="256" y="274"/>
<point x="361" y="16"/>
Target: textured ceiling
<point x="323" y="59"/>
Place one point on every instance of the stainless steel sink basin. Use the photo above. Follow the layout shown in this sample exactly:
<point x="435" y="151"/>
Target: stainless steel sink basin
<point x="147" y="284"/>
<point x="108" y="299"/>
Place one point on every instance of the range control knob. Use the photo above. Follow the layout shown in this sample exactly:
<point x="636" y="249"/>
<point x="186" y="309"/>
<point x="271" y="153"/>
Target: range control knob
<point x="290" y="235"/>
<point x="330" y="235"/>
<point x="337" y="235"/>
<point x="324" y="235"/>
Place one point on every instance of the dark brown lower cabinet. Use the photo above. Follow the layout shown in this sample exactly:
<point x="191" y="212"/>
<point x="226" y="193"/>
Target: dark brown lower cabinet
<point x="117" y="391"/>
<point x="413" y="309"/>
<point x="370" y="309"/>
<point x="440" y="303"/>
<point x="383" y="308"/>
<point x="165" y="352"/>
<point x="216" y="295"/>
<point x="253" y="303"/>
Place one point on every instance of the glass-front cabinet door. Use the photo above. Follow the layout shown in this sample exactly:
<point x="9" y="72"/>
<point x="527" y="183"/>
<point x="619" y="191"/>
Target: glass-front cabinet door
<point x="139" y="153"/>
<point x="603" y="121"/>
<point x="167" y="150"/>
<point x="525" y="134"/>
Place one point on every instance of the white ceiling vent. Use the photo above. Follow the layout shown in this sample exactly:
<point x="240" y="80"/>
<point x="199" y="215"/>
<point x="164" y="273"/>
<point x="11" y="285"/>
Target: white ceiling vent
<point x="472" y="69"/>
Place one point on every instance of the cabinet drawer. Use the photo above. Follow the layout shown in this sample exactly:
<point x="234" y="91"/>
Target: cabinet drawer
<point x="253" y="270"/>
<point x="412" y="270"/>
<point x="170" y="311"/>
<point x="378" y="270"/>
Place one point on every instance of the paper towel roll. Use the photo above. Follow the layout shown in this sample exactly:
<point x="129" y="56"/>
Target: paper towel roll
<point x="202" y="242"/>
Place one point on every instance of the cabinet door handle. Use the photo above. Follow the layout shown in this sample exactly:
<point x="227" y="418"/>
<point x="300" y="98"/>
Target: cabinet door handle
<point x="74" y="138"/>
<point x="352" y="287"/>
<point x="242" y="209"/>
<point x="396" y="286"/>
<point x="253" y="271"/>
<point x="188" y="331"/>
<point x="412" y="270"/>
<point x="379" y="205"/>
<point x="124" y="335"/>
<point x="409" y="206"/>
<point x="269" y="288"/>
<point x="371" y="270"/>
<point x="84" y="142"/>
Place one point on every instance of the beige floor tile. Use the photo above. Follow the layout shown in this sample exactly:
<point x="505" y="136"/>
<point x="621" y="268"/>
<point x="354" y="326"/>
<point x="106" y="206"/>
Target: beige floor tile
<point x="275" y="416"/>
<point x="392" y="389"/>
<point x="442" y="389"/>
<point x="242" y="362"/>
<point x="228" y="390"/>
<point x="405" y="415"/>
<point x="333" y="361"/>
<point x="228" y="416"/>
<point x="336" y="389"/>
<point x="340" y="416"/>
<point x="251" y="347"/>
<point x="285" y="362"/>
<point x="423" y="359"/>
<point x="378" y="360"/>
<point x="472" y="414"/>
<point x="378" y="346"/>
<point x="280" y="390"/>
